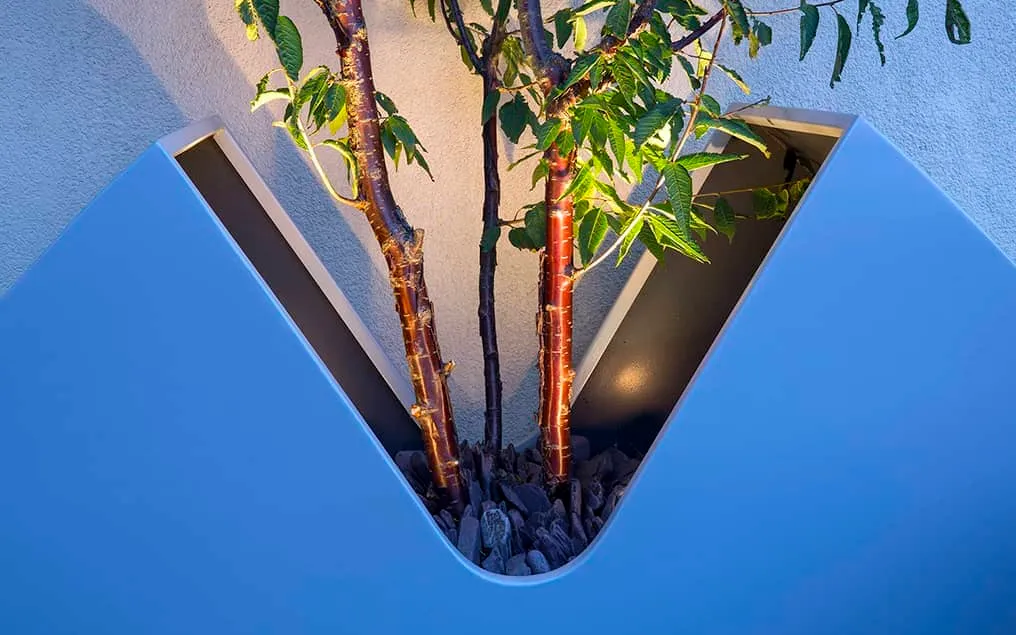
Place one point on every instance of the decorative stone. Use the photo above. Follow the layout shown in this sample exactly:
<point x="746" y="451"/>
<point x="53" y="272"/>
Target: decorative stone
<point x="511" y="495"/>
<point x="534" y="498"/>
<point x="495" y="528"/>
<point x="612" y="500"/>
<point x="453" y="536"/>
<point x="575" y="497"/>
<point x="509" y="457"/>
<point x="517" y="523"/>
<point x="418" y="464"/>
<point x="485" y="505"/>
<point x="494" y="563"/>
<point x="594" y="494"/>
<point x="580" y="448"/>
<point x="517" y="565"/>
<point x="579" y="540"/>
<point x="557" y="553"/>
<point x="475" y="494"/>
<point x="558" y="509"/>
<point x="537" y="561"/>
<point x="486" y="471"/>
<point x="469" y="538"/>
<point x="446" y="516"/>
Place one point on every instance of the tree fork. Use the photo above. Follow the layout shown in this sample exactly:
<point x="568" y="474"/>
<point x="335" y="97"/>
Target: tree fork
<point x="402" y="247"/>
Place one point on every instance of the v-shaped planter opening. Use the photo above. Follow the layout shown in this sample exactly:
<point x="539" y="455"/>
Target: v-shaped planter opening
<point x="668" y="315"/>
<point x="280" y="254"/>
<point x="843" y="459"/>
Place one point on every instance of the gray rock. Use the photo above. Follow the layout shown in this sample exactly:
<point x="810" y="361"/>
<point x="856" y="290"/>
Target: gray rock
<point x="475" y="494"/>
<point x="486" y="472"/>
<point x="495" y="529"/>
<point x="557" y="552"/>
<point x="441" y="523"/>
<point x="418" y="464"/>
<point x="558" y="509"/>
<point x="494" y="563"/>
<point x="470" y="511"/>
<point x="594" y="494"/>
<point x="579" y="539"/>
<point x="580" y="448"/>
<point x="537" y="561"/>
<point x="469" y="538"/>
<point x="517" y="523"/>
<point x="511" y="495"/>
<point x="446" y="516"/>
<point x="575" y="497"/>
<point x="453" y="536"/>
<point x="404" y="460"/>
<point x="517" y="565"/>
<point x="534" y="498"/>
<point x="612" y="500"/>
<point x="485" y="505"/>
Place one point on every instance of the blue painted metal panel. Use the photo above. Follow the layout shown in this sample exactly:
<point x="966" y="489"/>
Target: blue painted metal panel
<point x="173" y="458"/>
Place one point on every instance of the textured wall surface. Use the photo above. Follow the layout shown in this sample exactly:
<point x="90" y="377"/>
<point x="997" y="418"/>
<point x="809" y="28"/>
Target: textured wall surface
<point x="89" y="84"/>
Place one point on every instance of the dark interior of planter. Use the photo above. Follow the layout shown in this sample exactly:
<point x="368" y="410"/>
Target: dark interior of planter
<point x="285" y="274"/>
<point x="682" y="306"/>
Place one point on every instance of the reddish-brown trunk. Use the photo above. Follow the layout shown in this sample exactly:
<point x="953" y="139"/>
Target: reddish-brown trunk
<point x="403" y="250"/>
<point x="554" y="321"/>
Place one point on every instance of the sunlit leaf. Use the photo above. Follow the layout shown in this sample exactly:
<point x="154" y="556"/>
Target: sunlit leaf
<point x="289" y="46"/>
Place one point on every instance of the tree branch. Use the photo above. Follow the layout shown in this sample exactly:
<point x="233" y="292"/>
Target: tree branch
<point x="702" y="30"/>
<point x="452" y="7"/>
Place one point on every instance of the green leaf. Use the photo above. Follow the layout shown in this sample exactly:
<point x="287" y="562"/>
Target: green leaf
<point x="761" y="35"/>
<point x="723" y="217"/>
<point x="913" y="15"/>
<point x="592" y="6"/>
<point x="877" y="21"/>
<point x="710" y="106"/>
<point x="546" y="133"/>
<point x="765" y="203"/>
<point x="489" y="239"/>
<point x="487" y="7"/>
<point x="536" y="225"/>
<point x="563" y="26"/>
<point x="520" y="239"/>
<point x="502" y="10"/>
<point x="674" y="237"/>
<point x="617" y="141"/>
<point x="738" y="17"/>
<point x="385" y="102"/>
<point x="678" y="182"/>
<point x="797" y="189"/>
<point x="312" y="83"/>
<point x="732" y="74"/>
<point x="515" y="115"/>
<point x="246" y="12"/>
<point x="580" y="33"/>
<point x="809" y="27"/>
<point x="699" y="160"/>
<point x="289" y="47"/>
<point x="647" y="236"/>
<point x="490" y="103"/>
<point x="862" y="6"/>
<point x="540" y="172"/>
<point x="618" y="18"/>
<point x="293" y="127"/>
<point x="733" y="127"/>
<point x="582" y="67"/>
<point x="350" y="160"/>
<point x="581" y="184"/>
<point x="592" y="231"/>
<point x="632" y="227"/>
<point x="957" y="24"/>
<point x="267" y="96"/>
<point x="842" y="49"/>
<point x="268" y="11"/>
<point x="654" y="120"/>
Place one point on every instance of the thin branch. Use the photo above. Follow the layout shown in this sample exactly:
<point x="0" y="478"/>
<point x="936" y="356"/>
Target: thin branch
<point x="464" y="39"/>
<point x="699" y="32"/>
<point x="675" y="151"/>
<point x="752" y="189"/>
<point x="830" y="3"/>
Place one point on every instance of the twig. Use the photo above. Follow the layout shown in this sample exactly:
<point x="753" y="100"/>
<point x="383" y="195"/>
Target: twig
<point x="751" y="189"/>
<point x="830" y="3"/>
<point x="464" y="39"/>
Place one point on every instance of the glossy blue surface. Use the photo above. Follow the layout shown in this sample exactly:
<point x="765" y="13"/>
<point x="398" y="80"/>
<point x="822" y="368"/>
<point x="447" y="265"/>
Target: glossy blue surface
<point x="173" y="459"/>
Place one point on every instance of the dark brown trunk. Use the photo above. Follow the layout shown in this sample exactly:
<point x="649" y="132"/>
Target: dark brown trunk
<point x="554" y="321"/>
<point x="488" y="263"/>
<point x="402" y="247"/>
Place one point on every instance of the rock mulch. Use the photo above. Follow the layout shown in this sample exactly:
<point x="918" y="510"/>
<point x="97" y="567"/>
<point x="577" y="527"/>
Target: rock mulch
<point x="511" y="525"/>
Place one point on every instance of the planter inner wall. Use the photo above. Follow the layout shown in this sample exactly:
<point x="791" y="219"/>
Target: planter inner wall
<point x="682" y="306"/>
<point x="285" y="274"/>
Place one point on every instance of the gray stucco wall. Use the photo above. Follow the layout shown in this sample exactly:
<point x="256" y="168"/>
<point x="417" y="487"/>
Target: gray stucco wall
<point x="89" y="84"/>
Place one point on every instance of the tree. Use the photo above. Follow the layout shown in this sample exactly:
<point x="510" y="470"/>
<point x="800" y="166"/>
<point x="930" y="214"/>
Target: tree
<point x="602" y="117"/>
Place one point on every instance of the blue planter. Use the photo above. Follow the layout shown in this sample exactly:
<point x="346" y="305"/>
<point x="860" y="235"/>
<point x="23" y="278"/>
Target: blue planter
<point x="175" y="458"/>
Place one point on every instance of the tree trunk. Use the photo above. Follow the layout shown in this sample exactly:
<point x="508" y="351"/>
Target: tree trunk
<point x="488" y="263"/>
<point x="402" y="247"/>
<point x="554" y="321"/>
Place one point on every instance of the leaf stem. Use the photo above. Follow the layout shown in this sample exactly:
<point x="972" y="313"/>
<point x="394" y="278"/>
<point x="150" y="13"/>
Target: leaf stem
<point x="751" y="189"/>
<point x="830" y="3"/>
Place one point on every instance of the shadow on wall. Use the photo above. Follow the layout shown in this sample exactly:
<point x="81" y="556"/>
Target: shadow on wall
<point x="87" y="105"/>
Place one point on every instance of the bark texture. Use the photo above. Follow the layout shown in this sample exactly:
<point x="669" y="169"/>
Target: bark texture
<point x="488" y="264"/>
<point x="402" y="247"/>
